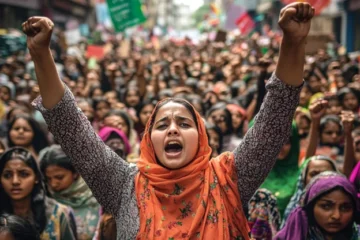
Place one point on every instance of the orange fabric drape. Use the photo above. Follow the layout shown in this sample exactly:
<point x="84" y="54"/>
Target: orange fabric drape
<point x="198" y="201"/>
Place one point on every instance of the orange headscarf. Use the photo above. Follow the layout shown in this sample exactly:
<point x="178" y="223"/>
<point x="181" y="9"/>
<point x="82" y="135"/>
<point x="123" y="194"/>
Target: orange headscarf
<point x="198" y="201"/>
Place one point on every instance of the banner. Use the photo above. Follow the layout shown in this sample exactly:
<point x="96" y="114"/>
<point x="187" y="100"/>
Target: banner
<point x="125" y="13"/>
<point x="94" y="51"/>
<point x="245" y="23"/>
<point x="319" y="5"/>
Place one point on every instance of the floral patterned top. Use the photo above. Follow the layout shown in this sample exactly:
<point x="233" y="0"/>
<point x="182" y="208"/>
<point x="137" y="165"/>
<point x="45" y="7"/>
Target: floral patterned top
<point x="112" y="180"/>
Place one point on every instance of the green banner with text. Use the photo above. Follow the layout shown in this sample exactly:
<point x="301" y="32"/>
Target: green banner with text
<point x="125" y="13"/>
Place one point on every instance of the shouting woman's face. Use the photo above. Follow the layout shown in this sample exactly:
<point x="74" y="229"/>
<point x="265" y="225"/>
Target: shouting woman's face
<point x="174" y="136"/>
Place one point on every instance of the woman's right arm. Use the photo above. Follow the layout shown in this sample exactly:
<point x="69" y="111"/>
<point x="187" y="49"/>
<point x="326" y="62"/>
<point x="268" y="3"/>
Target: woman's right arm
<point x="105" y="173"/>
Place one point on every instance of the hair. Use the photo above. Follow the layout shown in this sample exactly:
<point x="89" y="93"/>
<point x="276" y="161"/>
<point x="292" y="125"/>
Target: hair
<point x="194" y="99"/>
<point x="92" y="91"/>
<point x="127" y="92"/>
<point x="218" y="132"/>
<point x="143" y="104"/>
<point x="2" y="146"/>
<point x="332" y="98"/>
<point x="124" y="115"/>
<point x="39" y="141"/>
<point x="8" y="89"/>
<point x="346" y="90"/>
<point x="96" y="101"/>
<point x="309" y="209"/>
<point x="37" y="194"/>
<point x="329" y="118"/>
<point x="54" y="155"/>
<point x="183" y="102"/>
<point x="321" y="157"/>
<point x="20" y="107"/>
<point x="228" y="118"/>
<point x="18" y="227"/>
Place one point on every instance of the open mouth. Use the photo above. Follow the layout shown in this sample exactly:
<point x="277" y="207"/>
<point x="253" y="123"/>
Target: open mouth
<point x="173" y="147"/>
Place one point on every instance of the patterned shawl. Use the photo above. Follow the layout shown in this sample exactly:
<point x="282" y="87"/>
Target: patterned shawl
<point x="264" y="216"/>
<point x="198" y="201"/>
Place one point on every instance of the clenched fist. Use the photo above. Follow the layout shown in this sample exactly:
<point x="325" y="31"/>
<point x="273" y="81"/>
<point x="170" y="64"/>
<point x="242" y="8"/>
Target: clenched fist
<point x="295" y="20"/>
<point x="38" y="31"/>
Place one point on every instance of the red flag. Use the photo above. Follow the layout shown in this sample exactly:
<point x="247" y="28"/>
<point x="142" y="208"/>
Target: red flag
<point x="245" y="23"/>
<point x="319" y="5"/>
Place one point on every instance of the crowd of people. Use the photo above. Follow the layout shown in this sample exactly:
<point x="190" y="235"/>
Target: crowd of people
<point x="218" y="140"/>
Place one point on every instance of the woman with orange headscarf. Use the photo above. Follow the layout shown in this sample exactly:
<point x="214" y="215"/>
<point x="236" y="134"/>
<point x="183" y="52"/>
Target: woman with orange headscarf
<point x="176" y="191"/>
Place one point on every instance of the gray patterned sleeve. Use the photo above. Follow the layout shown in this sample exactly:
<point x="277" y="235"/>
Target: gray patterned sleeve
<point x="104" y="171"/>
<point x="256" y="155"/>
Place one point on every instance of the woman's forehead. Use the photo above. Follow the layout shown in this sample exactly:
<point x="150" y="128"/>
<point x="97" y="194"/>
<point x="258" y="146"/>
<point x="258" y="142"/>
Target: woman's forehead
<point x="173" y="109"/>
<point x="336" y="195"/>
<point x="16" y="164"/>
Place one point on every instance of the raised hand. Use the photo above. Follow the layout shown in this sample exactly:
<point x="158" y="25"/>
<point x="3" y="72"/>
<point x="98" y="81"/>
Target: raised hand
<point x="295" y="20"/>
<point x="318" y="109"/>
<point x="38" y="31"/>
<point x="347" y="119"/>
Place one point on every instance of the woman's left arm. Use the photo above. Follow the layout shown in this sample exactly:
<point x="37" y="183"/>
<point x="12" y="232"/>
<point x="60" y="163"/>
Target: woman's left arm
<point x="347" y="118"/>
<point x="256" y="155"/>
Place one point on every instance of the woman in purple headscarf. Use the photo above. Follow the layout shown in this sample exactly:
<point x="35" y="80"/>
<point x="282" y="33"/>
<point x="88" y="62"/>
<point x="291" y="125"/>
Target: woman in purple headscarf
<point x="329" y="211"/>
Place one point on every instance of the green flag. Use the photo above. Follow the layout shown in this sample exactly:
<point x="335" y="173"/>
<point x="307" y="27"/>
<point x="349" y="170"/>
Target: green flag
<point x="125" y="13"/>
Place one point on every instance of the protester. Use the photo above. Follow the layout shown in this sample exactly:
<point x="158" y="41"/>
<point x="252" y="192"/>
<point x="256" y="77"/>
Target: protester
<point x="24" y="131"/>
<point x="175" y="149"/>
<point x="66" y="186"/>
<point x="330" y="211"/>
<point x="16" y="228"/>
<point x="116" y="140"/>
<point x="310" y="168"/>
<point x="22" y="193"/>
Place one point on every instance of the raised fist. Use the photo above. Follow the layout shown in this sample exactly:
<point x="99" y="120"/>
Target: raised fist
<point x="318" y="109"/>
<point x="295" y="20"/>
<point x="347" y="119"/>
<point x="38" y="31"/>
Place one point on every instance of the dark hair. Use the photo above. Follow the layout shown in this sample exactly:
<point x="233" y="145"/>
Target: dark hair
<point x="8" y="89"/>
<point x="320" y="157"/>
<point x="183" y="102"/>
<point x="21" y="107"/>
<point x="127" y="92"/>
<point x="92" y="91"/>
<point x="39" y="140"/>
<point x="218" y="132"/>
<point x="54" y="155"/>
<point x="124" y="115"/>
<point x="332" y="98"/>
<point x="329" y="118"/>
<point x="309" y="209"/>
<point x="194" y="99"/>
<point x="38" y="193"/>
<point x="18" y="227"/>
<point x="98" y="100"/>
<point x="228" y="119"/>
<point x="143" y="104"/>
<point x="346" y="90"/>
